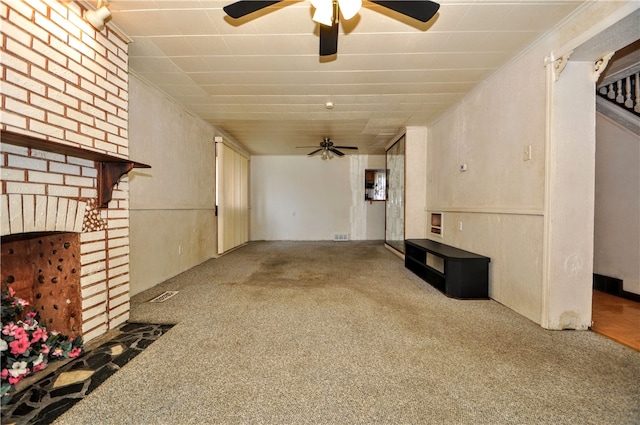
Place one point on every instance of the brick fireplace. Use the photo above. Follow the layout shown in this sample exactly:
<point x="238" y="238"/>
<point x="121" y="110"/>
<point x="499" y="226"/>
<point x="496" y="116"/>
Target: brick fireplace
<point x="59" y="250"/>
<point x="64" y="205"/>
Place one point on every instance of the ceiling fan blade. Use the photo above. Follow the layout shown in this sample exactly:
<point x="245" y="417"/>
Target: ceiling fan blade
<point x="314" y="152"/>
<point x="329" y="36"/>
<point x="244" y="7"/>
<point x="337" y="152"/>
<point x="346" y="147"/>
<point x="422" y="10"/>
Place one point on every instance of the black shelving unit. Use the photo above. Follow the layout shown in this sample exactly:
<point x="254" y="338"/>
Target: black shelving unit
<point x="465" y="275"/>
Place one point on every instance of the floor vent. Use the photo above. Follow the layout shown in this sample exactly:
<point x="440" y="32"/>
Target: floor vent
<point x="340" y="236"/>
<point x="163" y="297"/>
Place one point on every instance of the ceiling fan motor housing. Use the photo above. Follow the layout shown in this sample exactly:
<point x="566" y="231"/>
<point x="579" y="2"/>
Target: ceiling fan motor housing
<point x="421" y="10"/>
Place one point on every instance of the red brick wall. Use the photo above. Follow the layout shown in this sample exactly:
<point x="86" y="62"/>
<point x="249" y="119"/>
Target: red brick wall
<point x="66" y="82"/>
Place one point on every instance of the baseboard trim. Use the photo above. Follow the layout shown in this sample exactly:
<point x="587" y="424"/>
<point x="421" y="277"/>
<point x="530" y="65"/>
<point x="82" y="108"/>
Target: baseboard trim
<point x="613" y="286"/>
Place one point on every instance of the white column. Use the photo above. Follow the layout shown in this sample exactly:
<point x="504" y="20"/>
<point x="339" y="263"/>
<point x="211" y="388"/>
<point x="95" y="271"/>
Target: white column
<point x="569" y="198"/>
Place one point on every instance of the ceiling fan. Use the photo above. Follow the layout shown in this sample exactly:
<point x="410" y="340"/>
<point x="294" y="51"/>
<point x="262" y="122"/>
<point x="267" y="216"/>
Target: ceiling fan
<point x="327" y="148"/>
<point x="327" y="12"/>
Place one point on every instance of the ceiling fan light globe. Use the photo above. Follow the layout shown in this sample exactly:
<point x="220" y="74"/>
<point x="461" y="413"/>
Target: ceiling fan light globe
<point x="323" y="16"/>
<point x="349" y="8"/>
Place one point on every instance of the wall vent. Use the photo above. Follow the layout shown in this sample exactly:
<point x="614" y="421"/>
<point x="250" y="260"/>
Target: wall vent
<point x="338" y="237"/>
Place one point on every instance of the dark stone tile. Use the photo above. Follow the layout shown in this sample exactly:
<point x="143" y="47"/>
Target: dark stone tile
<point x="100" y="376"/>
<point x="124" y="358"/>
<point x="40" y="404"/>
<point x="128" y="340"/>
<point x="67" y="390"/>
<point x="97" y="360"/>
<point x="135" y="327"/>
<point x="51" y="412"/>
<point x="37" y="394"/>
<point x="144" y="343"/>
<point x="77" y="364"/>
<point x="22" y="409"/>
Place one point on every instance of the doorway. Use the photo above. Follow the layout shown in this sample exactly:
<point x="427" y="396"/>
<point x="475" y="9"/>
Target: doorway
<point x="615" y="241"/>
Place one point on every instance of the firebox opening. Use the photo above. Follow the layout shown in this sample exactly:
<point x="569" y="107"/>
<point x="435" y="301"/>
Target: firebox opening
<point x="44" y="269"/>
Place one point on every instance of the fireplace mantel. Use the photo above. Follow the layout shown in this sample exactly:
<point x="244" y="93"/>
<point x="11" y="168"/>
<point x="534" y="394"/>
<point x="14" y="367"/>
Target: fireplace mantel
<point x="110" y="168"/>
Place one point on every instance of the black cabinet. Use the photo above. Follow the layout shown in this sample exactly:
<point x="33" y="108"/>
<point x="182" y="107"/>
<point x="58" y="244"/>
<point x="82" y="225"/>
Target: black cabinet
<point x="455" y="272"/>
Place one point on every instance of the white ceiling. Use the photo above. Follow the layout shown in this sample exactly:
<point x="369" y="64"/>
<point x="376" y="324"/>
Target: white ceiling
<point x="261" y="81"/>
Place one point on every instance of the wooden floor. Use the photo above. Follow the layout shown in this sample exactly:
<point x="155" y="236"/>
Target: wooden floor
<point x="617" y="318"/>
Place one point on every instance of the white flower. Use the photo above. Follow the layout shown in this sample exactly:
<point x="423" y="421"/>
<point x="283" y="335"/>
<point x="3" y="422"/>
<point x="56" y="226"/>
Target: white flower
<point x="3" y="345"/>
<point x="28" y="326"/>
<point x="17" y="369"/>
<point x="39" y="360"/>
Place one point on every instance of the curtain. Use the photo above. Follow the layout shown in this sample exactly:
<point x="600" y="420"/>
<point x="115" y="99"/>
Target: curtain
<point x="232" y="197"/>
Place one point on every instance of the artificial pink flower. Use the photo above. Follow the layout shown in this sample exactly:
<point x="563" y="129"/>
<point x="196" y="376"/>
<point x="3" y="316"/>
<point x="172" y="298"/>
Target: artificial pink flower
<point x="12" y="293"/>
<point x="44" y="349"/>
<point x="75" y="353"/>
<point x="19" y="346"/>
<point x="57" y="352"/>
<point x="20" y="333"/>
<point x="21" y="302"/>
<point x="4" y="374"/>
<point x="39" y="367"/>
<point x="32" y="314"/>
<point x="39" y="334"/>
<point x="9" y="329"/>
<point x="17" y="379"/>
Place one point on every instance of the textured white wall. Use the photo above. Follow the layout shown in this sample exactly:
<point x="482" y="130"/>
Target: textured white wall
<point x="415" y="182"/>
<point x="305" y="198"/>
<point x="499" y="199"/>
<point x="617" y="210"/>
<point x="299" y="198"/>
<point x="534" y="218"/>
<point x="172" y="211"/>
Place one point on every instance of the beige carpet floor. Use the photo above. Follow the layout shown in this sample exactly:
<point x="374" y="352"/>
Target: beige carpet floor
<point x="342" y="333"/>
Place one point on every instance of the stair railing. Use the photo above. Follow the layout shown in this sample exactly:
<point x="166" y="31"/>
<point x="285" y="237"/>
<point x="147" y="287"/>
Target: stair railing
<point x="625" y="92"/>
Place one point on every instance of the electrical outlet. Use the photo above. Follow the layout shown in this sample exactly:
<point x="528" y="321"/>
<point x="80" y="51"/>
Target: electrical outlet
<point x="179" y="249"/>
<point x="460" y="226"/>
<point x="527" y="153"/>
